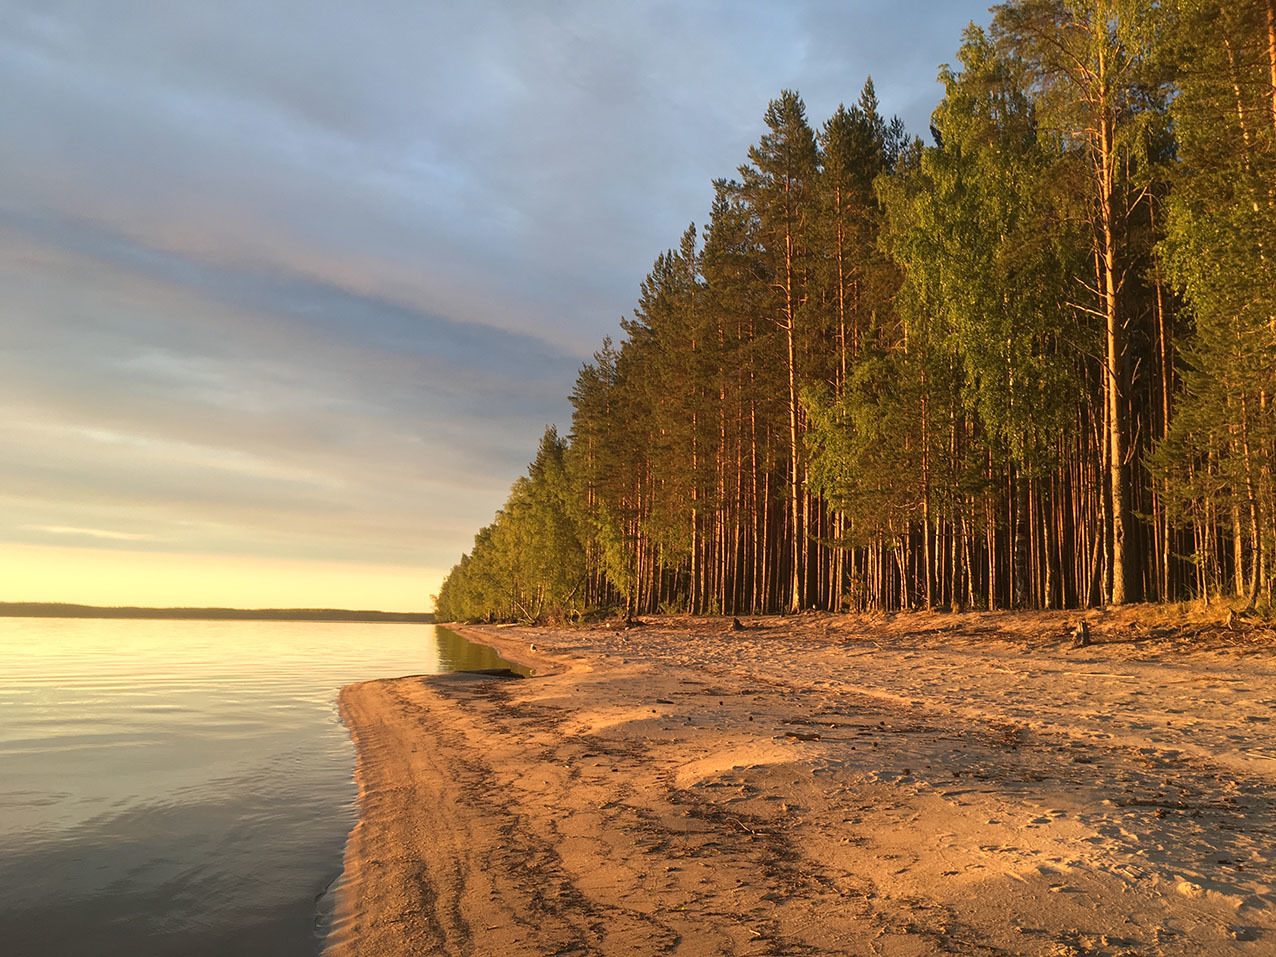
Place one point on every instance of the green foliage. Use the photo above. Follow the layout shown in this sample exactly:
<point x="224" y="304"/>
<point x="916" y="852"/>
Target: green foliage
<point x="529" y="563"/>
<point x="1091" y="63"/>
<point x="863" y="446"/>
<point x="886" y="371"/>
<point x="1221" y="448"/>
<point x="989" y="257"/>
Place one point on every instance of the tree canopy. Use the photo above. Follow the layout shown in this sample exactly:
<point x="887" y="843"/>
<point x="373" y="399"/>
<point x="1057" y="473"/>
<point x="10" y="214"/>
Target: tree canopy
<point x="1029" y="363"/>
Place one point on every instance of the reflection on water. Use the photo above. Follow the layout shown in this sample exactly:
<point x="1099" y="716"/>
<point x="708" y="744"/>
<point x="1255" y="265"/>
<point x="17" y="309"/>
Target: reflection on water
<point x="176" y="787"/>
<point x="457" y="654"/>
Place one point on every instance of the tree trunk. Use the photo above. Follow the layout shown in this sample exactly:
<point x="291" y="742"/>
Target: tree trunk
<point x="1271" y="53"/>
<point x="1118" y="427"/>
<point x="1019" y="550"/>
<point x="795" y="489"/>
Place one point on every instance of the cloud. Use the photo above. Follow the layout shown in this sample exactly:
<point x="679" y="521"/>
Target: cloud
<point x="309" y="278"/>
<point x="91" y="533"/>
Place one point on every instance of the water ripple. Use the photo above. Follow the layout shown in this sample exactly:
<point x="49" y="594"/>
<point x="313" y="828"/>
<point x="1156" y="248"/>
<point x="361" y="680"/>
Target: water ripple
<point x="180" y="787"/>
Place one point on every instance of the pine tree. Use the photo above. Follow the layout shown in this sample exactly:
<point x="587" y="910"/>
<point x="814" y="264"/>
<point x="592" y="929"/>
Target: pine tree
<point x="778" y="184"/>
<point x="1091" y="66"/>
<point x="1219" y="249"/>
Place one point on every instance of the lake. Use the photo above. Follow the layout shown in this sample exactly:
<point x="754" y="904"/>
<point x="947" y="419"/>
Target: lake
<point x="183" y="787"/>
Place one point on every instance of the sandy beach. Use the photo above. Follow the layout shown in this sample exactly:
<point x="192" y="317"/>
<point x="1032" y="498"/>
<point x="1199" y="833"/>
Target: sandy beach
<point x="823" y="784"/>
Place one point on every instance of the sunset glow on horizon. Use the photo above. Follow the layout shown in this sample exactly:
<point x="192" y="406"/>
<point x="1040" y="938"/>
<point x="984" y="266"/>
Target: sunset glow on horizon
<point x="167" y="580"/>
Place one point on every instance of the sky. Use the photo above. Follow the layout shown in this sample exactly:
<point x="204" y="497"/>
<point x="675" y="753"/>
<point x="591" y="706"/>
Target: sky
<point x="290" y="289"/>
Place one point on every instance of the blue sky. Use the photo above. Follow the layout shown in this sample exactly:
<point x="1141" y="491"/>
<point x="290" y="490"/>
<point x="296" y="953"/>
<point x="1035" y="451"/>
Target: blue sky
<point x="299" y="284"/>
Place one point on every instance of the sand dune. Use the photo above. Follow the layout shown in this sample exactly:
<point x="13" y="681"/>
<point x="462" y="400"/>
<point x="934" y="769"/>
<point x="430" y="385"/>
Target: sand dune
<point x="922" y="784"/>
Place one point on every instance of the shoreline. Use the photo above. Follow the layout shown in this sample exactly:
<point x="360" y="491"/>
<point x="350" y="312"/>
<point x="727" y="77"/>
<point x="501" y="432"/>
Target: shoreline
<point x="824" y="783"/>
<point x="383" y="768"/>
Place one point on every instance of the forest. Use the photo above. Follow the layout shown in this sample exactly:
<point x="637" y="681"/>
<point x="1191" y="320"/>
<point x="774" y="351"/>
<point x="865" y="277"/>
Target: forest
<point x="1029" y="365"/>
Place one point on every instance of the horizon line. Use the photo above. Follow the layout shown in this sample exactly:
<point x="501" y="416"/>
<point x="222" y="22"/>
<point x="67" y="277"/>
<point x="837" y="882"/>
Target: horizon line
<point x="47" y="609"/>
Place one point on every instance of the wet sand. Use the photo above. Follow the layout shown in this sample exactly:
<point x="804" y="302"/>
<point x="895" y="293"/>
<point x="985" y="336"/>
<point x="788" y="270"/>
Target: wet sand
<point x="917" y="784"/>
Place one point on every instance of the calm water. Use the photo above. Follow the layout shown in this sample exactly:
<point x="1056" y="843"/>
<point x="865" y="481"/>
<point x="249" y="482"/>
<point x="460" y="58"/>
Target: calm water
<point x="173" y="787"/>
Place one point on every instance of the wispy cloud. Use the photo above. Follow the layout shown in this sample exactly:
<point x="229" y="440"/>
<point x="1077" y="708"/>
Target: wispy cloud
<point x="308" y="280"/>
<point x="91" y="533"/>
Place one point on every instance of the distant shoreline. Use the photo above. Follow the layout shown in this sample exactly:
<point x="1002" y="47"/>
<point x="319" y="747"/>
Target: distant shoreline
<point x="35" y="609"/>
